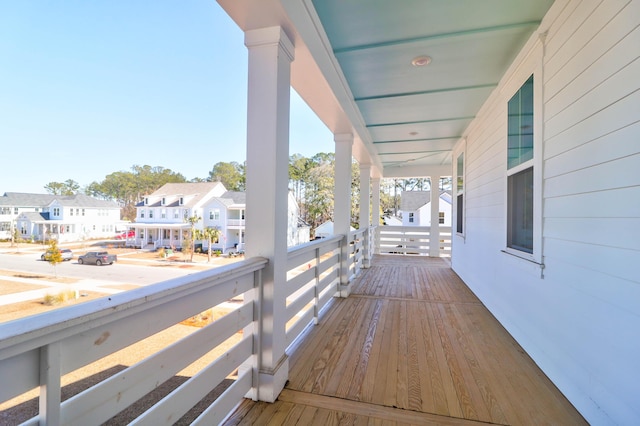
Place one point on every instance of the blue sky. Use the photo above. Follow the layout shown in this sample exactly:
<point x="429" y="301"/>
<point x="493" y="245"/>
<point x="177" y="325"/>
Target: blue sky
<point x="88" y="88"/>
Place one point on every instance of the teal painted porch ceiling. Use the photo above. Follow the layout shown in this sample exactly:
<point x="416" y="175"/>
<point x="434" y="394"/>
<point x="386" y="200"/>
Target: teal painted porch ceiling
<point x="414" y="115"/>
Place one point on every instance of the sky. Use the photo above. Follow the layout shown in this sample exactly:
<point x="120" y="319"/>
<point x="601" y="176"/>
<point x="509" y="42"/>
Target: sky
<point x="88" y="88"/>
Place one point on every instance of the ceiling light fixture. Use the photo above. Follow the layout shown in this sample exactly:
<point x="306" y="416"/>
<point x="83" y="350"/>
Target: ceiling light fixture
<point x="421" y="61"/>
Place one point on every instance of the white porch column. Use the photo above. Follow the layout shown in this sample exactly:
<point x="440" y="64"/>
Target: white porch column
<point x="342" y="203"/>
<point x="270" y="56"/>
<point x="434" y="234"/>
<point x="375" y="210"/>
<point x="365" y="213"/>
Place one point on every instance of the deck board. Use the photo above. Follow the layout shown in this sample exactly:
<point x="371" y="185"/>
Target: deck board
<point x="411" y="345"/>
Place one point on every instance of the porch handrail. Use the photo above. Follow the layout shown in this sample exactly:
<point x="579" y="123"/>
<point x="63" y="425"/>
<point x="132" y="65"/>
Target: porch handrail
<point x="35" y="354"/>
<point x="357" y="242"/>
<point x="411" y="239"/>
<point x="38" y="354"/>
<point x="312" y="280"/>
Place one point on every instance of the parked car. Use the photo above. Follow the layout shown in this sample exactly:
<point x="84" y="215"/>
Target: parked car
<point x="65" y="253"/>
<point x="97" y="258"/>
<point x="128" y="234"/>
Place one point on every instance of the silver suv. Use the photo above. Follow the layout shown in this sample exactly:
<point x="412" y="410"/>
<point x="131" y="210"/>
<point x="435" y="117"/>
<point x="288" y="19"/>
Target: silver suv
<point x="65" y="253"/>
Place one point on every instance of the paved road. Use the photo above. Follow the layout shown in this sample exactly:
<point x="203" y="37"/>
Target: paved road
<point x="131" y="274"/>
<point x="90" y="277"/>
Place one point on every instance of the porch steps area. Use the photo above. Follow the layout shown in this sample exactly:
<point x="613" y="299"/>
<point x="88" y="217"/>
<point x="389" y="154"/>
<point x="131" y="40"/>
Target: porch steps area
<point x="411" y="345"/>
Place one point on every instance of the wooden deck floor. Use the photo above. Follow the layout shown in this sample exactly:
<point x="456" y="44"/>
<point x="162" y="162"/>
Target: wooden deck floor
<point x="411" y="345"/>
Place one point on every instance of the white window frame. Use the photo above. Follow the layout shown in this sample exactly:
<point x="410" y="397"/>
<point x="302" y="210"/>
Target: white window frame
<point x="536" y="162"/>
<point x="460" y="192"/>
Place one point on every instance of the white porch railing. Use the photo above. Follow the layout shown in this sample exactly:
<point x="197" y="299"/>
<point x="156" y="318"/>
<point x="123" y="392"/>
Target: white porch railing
<point x="312" y="280"/>
<point x="236" y="222"/>
<point x="37" y="351"/>
<point x="411" y="239"/>
<point x="358" y="242"/>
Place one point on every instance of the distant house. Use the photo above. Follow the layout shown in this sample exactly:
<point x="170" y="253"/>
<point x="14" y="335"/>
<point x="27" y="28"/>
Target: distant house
<point x="39" y="217"/>
<point x="161" y="218"/>
<point x="298" y="231"/>
<point x="415" y="207"/>
<point x="391" y="221"/>
<point x="326" y="229"/>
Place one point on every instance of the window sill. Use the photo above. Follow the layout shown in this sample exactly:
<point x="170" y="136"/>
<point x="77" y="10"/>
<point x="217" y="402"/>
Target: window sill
<point x="527" y="260"/>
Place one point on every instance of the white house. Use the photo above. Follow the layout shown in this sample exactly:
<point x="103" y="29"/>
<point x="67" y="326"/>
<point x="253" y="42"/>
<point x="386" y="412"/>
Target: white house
<point x="533" y="107"/>
<point x="326" y="229"/>
<point x="161" y="218"/>
<point x="298" y="231"/>
<point x="415" y="207"/>
<point x="547" y="211"/>
<point x="64" y="217"/>
<point x="391" y="221"/>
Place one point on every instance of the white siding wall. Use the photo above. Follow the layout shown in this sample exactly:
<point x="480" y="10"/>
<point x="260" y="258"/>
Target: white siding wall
<point x="581" y="322"/>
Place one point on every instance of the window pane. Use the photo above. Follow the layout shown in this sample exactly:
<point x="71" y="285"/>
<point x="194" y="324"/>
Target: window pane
<point x="459" y="210"/>
<point x="520" y="125"/>
<point x="520" y="215"/>
<point x="460" y="172"/>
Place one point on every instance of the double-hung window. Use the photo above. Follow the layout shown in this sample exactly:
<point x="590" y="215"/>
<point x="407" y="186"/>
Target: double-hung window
<point x="520" y="169"/>
<point x="460" y="194"/>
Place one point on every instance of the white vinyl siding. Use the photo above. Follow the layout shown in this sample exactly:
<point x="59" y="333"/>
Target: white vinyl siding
<point x="578" y="317"/>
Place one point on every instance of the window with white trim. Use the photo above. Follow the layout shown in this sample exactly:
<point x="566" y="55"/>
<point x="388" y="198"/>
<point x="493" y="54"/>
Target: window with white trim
<point x="460" y="194"/>
<point x="520" y="169"/>
<point x="214" y="214"/>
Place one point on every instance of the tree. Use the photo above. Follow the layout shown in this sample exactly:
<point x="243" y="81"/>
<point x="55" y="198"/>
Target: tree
<point x="299" y="167"/>
<point x="232" y="175"/>
<point x="53" y="255"/>
<point x="211" y="235"/>
<point x="16" y="239"/>
<point x="54" y="188"/>
<point x="127" y="188"/>
<point x="318" y="189"/>
<point x="68" y="187"/>
<point x="193" y="220"/>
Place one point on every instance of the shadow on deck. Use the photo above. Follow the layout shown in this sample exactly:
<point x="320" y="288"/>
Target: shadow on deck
<point x="411" y="345"/>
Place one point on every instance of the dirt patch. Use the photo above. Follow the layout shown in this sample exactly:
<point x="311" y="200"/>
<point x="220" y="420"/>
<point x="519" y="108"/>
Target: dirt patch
<point x="33" y="307"/>
<point x="11" y="287"/>
<point x="44" y="277"/>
